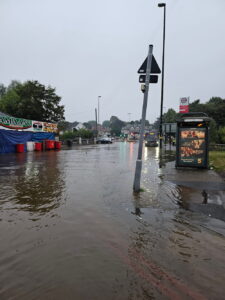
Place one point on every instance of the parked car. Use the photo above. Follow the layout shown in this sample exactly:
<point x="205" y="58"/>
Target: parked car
<point x="104" y="140"/>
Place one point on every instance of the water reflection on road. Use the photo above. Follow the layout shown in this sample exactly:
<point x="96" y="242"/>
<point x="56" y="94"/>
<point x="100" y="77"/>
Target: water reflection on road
<point x="72" y="228"/>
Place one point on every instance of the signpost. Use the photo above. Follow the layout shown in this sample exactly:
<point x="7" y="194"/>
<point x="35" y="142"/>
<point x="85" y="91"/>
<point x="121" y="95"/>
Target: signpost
<point x="149" y="66"/>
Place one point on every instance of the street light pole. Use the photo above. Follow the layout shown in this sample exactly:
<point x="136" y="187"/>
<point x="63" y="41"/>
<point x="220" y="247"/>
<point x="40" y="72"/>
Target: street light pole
<point x="163" y="61"/>
<point x="98" y="109"/>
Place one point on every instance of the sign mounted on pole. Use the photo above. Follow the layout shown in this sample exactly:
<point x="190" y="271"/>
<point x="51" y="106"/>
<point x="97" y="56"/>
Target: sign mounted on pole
<point x="184" y="105"/>
<point x="154" y="68"/>
<point x="153" y="78"/>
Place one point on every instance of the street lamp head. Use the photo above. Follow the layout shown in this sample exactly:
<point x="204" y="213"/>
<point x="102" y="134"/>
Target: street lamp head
<point x="161" y="4"/>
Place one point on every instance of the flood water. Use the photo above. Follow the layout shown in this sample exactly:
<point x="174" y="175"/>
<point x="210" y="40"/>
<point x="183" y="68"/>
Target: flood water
<point x="71" y="228"/>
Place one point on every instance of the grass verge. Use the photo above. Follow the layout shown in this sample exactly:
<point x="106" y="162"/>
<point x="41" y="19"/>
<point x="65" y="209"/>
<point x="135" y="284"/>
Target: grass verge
<point x="217" y="160"/>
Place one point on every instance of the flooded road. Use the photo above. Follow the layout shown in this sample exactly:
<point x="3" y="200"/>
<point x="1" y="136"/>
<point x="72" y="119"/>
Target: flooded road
<point x="71" y="228"/>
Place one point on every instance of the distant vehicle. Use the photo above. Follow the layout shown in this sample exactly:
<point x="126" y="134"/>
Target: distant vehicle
<point x="104" y="140"/>
<point x="131" y="138"/>
<point x="152" y="139"/>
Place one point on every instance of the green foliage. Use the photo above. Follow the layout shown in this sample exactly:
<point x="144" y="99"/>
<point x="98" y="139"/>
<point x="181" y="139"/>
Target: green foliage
<point x="106" y="124"/>
<point x="214" y="108"/>
<point x="213" y="132"/>
<point x="32" y="100"/>
<point x="10" y="103"/>
<point x="87" y="125"/>
<point x="63" y="125"/>
<point x="156" y="124"/>
<point x="221" y="134"/>
<point x="2" y="90"/>
<point x="217" y="160"/>
<point x="92" y="123"/>
<point x="170" y="116"/>
<point x="83" y="133"/>
<point x="116" y="125"/>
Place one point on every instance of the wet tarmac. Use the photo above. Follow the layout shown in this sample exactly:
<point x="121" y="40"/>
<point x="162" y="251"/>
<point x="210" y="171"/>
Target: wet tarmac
<point x="71" y="227"/>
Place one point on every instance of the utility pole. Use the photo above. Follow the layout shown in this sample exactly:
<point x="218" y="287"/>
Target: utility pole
<point x="137" y="176"/>
<point x="129" y="117"/>
<point x="163" y="61"/>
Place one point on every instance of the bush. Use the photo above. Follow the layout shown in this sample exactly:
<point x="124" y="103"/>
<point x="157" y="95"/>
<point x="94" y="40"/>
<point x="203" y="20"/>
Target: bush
<point x="83" y="133"/>
<point x="221" y="134"/>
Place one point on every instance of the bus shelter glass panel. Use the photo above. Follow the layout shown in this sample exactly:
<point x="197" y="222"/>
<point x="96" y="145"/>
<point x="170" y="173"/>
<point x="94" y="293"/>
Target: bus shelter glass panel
<point x="192" y="146"/>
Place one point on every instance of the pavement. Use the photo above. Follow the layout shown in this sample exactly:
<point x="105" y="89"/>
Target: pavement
<point x="201" y="190"/>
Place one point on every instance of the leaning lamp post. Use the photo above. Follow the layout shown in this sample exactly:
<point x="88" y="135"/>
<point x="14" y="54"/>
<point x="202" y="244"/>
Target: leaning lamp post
<point x="163" y="61"/>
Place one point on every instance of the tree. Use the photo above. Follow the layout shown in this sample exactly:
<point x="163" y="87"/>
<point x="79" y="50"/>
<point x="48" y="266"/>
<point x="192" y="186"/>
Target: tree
<point x="170" y="116"/>
<point x="106" y="124"/>
<point x="116" y="125"/>
<point x="213" y="132"/>
<point x="63" y="125"/>
<point x="214" y="108"/>
<point x="2" y="90"/>
<point x="156" y="124"/>
<point x="83" y="133"/>
<point x="92" y="124"/>
<point x="221" y="134"/>
<point x="87" y="125"/>
<point x="32" y="100"/>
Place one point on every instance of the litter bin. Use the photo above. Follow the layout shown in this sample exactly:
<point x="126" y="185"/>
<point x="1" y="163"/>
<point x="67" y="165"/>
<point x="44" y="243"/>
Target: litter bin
<point x="58" y="145"/>
<point x="192" y="140"/>
<point x="49" y="144"/>
<point x="38" y="146"/>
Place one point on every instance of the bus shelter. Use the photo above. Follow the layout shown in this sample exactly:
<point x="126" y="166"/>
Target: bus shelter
<point x="192" y="140"/>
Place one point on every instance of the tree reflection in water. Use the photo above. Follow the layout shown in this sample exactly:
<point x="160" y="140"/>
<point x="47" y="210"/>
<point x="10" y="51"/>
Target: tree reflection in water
<point x="39" y="185"/>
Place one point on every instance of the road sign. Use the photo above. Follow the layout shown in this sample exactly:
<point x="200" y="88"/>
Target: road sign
<point x="184" y="101"/>
<point x="153" y="78"/>
<point x="154" y="69"/>
<point x="184" y="105"/>
<point x="184" y="109"/>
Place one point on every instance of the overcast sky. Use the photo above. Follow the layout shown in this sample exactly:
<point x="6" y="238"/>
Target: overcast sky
<point x="94" y="47"/>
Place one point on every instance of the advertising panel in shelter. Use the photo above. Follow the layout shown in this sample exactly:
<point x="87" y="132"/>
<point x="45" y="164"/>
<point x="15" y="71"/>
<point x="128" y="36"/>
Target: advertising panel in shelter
<point x="192" y="146"/>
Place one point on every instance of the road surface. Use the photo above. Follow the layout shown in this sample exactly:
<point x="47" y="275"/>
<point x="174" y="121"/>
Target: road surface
<point x="71" y="228"/>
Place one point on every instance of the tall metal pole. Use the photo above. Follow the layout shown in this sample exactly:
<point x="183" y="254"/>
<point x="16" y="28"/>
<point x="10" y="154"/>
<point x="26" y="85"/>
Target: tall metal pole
<point x="98" y="109"/>
<point x="137" y="176"/>
<point x="96" y="122"/>
<point x="163" y="61"/>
